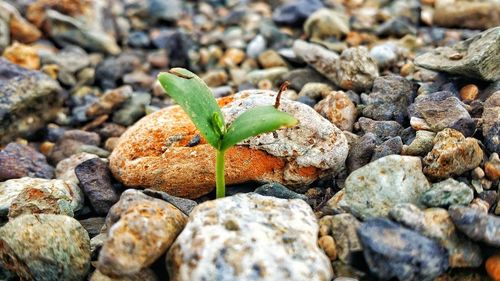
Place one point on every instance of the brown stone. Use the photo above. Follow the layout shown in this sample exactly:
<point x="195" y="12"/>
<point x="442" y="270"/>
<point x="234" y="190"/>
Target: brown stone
<point x="467" y="14"/>
<point x="23" y="31"/>
<point x="493" y="267"/>
<point x="23" y="55"/>
<point x="492" y="167"/>
<point x="36" y="10"/>
<point x="327" y="243"/>
<point x="469" y="92"/>
<point x="339" y="109"/>
<point x="154" y="153"/>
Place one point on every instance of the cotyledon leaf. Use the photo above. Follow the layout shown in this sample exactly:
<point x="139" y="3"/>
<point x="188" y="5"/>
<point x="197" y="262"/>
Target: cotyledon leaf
<point x="194" y="96"/>
<point x="256" y="121"/>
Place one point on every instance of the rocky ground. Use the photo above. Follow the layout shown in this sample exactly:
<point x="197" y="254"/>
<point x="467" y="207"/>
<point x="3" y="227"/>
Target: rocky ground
<point x="391" y="174"/>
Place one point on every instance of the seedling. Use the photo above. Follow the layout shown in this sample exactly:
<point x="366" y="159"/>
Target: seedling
<point x="194" y="96"/>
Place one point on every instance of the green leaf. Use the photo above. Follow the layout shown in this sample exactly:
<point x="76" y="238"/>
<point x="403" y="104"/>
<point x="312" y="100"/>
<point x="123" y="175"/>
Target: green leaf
<point x="256" y="121"/>
<point x="194" y="96"/>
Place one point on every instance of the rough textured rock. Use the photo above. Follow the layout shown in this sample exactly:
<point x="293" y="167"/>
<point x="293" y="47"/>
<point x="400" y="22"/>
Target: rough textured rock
<point x="65" y="169"/>
<point x="452" y="154"/>
<point x="467" y="14"/>
<point x="443" y="110"/>
<point x="279" y="191"/>
<point x="446" y="193"/>
<point x="389" y="99"/>
<point x="339" y="109"/>
<point x="93" y="225"/>
<point x="95" y="179"/>
<point x="477" y="225"/>
<point x="342" y="228"/>
<point x="154" y="152"/>
<point x="372" y="190"/>
<point x="356" y="70"/>
<point x="389" y="147"/>
<point x="35" y="200"/>
<point x="109" y="101"/>
<point x="22" y="55"/>
<point x="20" y="160"/>
<point x="476" y="57"/>
<point x="384" y="130"/>
<point x="45" y="247"/>
<point x="248" y="237"/>
<point x="421" y="144"/>
<point x="491" y="122"/>
<point x="393" y="251"/>
<point x="145" y="229"/>
<point x="28" y="99"/>
<point x="38" y="189"/>
<point x="492" y="167"/>
<point x="435" y="223"/>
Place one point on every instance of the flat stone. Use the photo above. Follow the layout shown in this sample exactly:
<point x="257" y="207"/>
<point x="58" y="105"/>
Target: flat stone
<point x="95" y="179"/>
<point x="435" y="223"/>
<point x="279" y="238"/>
<point x="467" y="14"/>
<point x="393" y="251"/>
<point x="38" y="189"/>
<point x="45" y="247"/>
<point x="279" y="191"/>
<point x="20" y="160"/>
<point x="452" y="154"/>
<point x="477" y="57"/>
<point x="320" y="58"/>
<point x="442" y="110"/>
<point x="372" y="190"/>
<point x="446" y="193"/>
<point x="477" y="225"/>
<point x="389" y="147"/>
<point x="28" y="100"/>
<point x="384" y="130"/>
<point x="154" y="152"/>
<point x="183" y="204"/>
<point x="144" y="230"/>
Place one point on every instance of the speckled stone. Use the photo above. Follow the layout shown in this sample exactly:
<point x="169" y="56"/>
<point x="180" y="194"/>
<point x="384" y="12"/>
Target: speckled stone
<point x="372" y="190"/>
<point x="35" y="200"/>
<point x="393" y="251"/>
<point x="45" y="247"/>
<point x="40" y="192"/>
<point x="477" y="225"/>
<point x="446" y="193"/>
<point x="356" y="70"/>
<point x="145" y="229"/>
<point x="294" y="156"/>
<point x="421" y="144"/>
<point x="339" y="109"/>
<point x="435" y="223"/>
<point x="20" y="160"/>
<point x="249" y="237"/>
<point x="452" y="155"/>
<point x="143" y="275"/>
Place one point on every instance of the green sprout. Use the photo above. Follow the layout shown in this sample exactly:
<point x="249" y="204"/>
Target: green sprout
<point x="196" y="99"/>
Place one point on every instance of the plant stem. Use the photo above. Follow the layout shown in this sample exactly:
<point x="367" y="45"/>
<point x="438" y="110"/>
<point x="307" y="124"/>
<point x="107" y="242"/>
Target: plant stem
<point x="220" y="189"/>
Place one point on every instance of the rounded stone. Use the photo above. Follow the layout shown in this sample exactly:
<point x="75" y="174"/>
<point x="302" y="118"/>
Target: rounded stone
<point x="45" y="247"/>
<point x="339" y="109"/>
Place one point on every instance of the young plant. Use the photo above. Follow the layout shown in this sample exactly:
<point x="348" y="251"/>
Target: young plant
<point x="194" y="96"/>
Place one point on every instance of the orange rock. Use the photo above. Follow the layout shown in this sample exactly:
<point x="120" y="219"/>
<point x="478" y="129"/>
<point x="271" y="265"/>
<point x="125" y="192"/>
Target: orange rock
<point x="154" y="153"/>
<point x="36" y="11"/>
<point x="232" y="57"/>
<point x="492" y="167"/>
<point x="469" y="92"/>
<point x="493" y="267"/>
<point x="23" y="55"/>
<point x="23" y="31"/>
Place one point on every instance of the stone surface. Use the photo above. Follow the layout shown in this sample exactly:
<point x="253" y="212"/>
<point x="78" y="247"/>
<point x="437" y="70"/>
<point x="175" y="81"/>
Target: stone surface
<point x="356" y="70"/>
<point x="143" y="275"/>
<point x="476" y="57"/>
<point x="279" y="191"/>
<point x="477" y="225"/>
<point x="74" y="142"/>
<point x="342" y="228"/>
<point x="93" y="225"/>
<point x="20" y="29"/>
<point x="145" y="228"/>
<point x="248" y="237"/>
<point x="393" y="251"/>
<point x="492" y="167"/>
<point x="111" y="100"/>
<point x="384" y="130"/>
<point x="65" y="169"/>
<point x="435" y="223"/>
<point x="38" y="189"/>
<point x="28" y="99"/>
<point x="326" y="23"/>
<point x="154" y="153"/>
<point x="45" y="247"/>
<point x="133" y="109"/>
<point x="389" y="99"/>
<point x="467" y="14"/>
<point x="339" y="109"/>
<point x="491" y="122"/>
<point x="36" y="200"/>
<point x="22" y="55"/>
<point x="446" y="193"/>
<point x="389" y="147"/>
<point x="452" y="154"/>
<point x="493" y="267"/>
<point x="372" y="190"/>
<point x="320" y="58"/>
<point x="95" y="179"/>
<point x="296" y="12"/>
<point x="20" y="160"/>
<point x="442" y="110"/>
<point x="421" y="144"/>
<point x="361" y="151"/>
